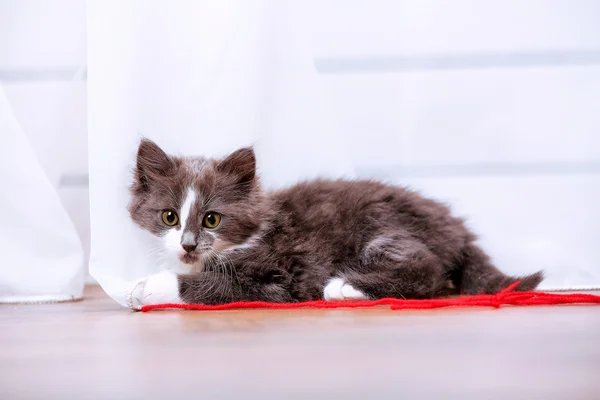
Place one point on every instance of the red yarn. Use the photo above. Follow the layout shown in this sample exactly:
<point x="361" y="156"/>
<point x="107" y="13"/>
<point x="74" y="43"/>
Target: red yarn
<point x="504" y="297"/>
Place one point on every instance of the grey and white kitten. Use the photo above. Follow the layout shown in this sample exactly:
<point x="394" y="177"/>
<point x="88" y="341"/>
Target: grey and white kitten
<point x="322" y="239"/>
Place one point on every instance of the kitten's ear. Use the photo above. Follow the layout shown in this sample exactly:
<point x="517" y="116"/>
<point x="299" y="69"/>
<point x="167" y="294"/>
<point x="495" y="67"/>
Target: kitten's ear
<point x="241" y="164"/>
<point x="152" y="162"/>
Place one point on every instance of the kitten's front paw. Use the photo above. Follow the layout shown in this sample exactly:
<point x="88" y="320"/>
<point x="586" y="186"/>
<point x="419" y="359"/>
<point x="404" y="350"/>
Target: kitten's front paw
<point x="159" y="288"/>
<point x="135" y="294"/>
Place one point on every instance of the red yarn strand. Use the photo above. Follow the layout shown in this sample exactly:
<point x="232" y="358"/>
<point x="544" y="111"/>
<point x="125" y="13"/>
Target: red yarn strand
<point x="506" y="297"/>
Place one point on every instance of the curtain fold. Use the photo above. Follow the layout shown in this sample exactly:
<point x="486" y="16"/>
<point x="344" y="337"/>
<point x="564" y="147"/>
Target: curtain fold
<point x="42" y="256"/>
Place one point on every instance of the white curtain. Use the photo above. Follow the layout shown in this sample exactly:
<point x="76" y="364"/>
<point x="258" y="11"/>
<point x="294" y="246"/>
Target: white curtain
<point x="360" y="89"/>
<point x="42" y="256"/>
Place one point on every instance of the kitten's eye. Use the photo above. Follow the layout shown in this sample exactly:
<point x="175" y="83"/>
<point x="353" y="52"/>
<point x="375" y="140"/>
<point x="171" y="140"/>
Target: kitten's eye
<point x="170" y="218"/>
<point x="211" y="220"/>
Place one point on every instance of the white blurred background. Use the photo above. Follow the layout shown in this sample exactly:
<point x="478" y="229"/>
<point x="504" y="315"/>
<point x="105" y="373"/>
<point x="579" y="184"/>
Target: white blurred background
<point x="491" y="106"/>
<point x="42" y="74"/>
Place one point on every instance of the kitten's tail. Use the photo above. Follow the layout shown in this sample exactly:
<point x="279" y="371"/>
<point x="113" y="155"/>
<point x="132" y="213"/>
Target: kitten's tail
<point x="478" y="275"/>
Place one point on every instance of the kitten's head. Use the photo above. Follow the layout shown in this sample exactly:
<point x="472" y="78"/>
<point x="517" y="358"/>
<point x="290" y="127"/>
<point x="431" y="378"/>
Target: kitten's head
<point x="198" y="206"/>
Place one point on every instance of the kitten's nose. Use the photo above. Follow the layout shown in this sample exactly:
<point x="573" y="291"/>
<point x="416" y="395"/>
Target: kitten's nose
<point x="188" y="242"/>
<point x="189" y="247"/>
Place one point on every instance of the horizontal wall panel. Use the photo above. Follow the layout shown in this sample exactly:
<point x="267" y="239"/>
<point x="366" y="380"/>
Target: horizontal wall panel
<point x="506" y="116"/>
<point x="342" y="28"/>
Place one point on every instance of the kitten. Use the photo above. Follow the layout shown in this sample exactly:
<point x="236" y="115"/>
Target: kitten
<point x="322" y="239"/>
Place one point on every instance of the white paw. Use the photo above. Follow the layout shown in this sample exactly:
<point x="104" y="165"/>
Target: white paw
<point x="156" y="289"/>
<point x="337" y="289"/>
<point x="333" y="289"/>
<point x="350" y="293"/>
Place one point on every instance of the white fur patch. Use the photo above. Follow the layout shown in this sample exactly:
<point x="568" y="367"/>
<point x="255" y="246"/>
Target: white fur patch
<point x="156" y="289"/>
<point x="172" y="240"/>
<point x="186" y="208"/>
<point x="241" y="246"/>
<point x="249" y="243"/>
<point x="350" y="293"/>
<point x="333" y="289"/>
<point x="337" y="289"/>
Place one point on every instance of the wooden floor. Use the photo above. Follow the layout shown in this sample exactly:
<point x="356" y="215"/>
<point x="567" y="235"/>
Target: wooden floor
<point x="94" y="349"/>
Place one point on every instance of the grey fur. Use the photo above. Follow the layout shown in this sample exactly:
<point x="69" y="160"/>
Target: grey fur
<point x="386" y="241"/>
